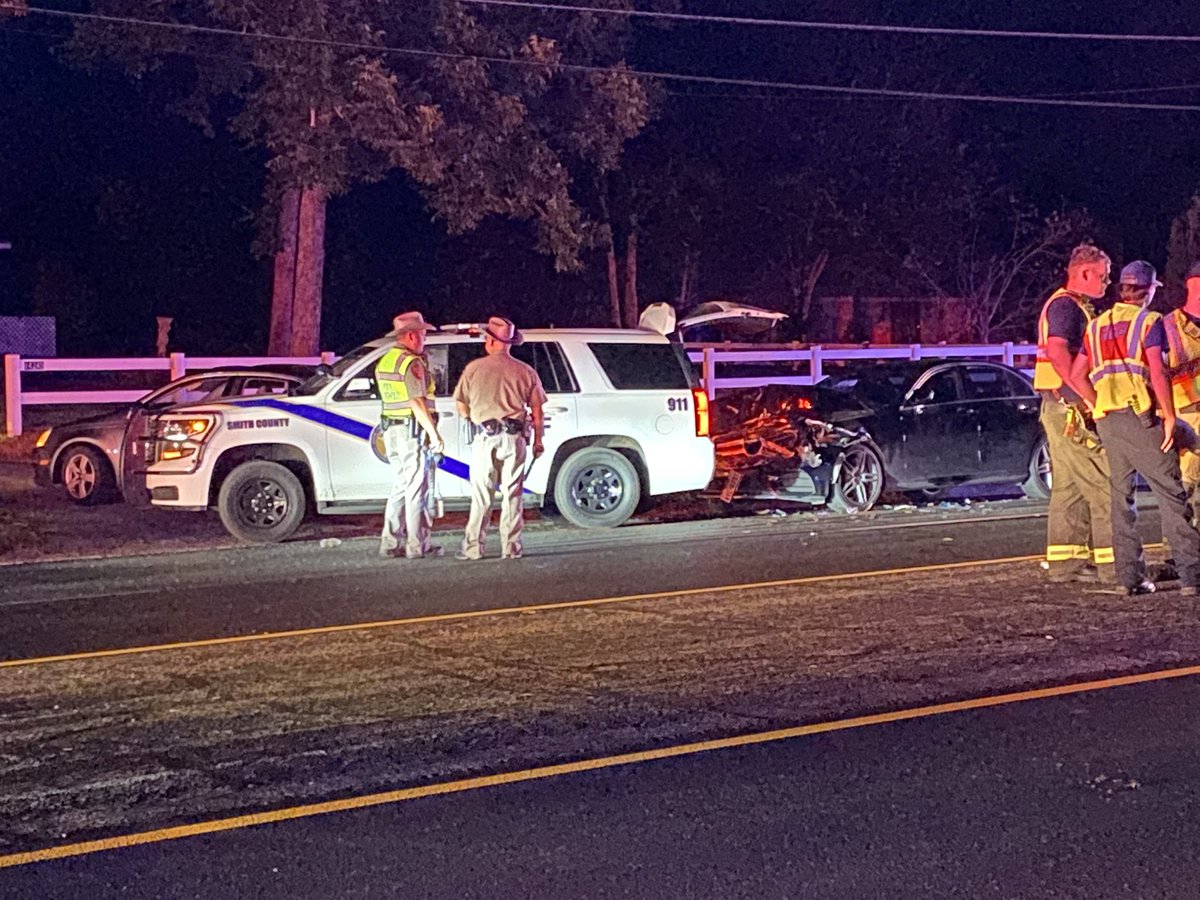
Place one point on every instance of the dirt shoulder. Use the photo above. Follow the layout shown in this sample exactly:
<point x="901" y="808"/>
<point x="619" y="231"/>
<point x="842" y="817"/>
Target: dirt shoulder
<point x="135" y="742"/>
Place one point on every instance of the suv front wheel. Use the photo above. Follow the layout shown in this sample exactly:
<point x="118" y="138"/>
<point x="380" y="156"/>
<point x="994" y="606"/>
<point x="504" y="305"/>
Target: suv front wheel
<point x="597" y="488"/>
<point x="261" y="501"/>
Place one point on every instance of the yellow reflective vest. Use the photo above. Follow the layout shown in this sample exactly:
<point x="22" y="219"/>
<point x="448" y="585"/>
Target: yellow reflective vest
<point x="1044" y="376"/>
<point x="1183" y="359"/>
<point x="390" y="372"/>
<point x="1116" y="345"/>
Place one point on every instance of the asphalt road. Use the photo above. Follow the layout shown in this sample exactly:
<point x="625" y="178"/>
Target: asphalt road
<point x="1089" y="796"/>
<point x="69" y="606"/>
<point x="598" y="644"/>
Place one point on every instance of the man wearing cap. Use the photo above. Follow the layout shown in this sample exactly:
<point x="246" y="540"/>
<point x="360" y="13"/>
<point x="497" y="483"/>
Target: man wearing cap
<point x="503" y="398"/>
<point x="406" y="390"/>
<point x="1079" y="528"/>
<point x="1130" y="395"/>
<point x="1182" y="328"/>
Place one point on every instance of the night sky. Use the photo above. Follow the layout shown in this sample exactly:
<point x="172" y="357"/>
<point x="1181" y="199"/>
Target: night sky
<point x="119" y="210"/>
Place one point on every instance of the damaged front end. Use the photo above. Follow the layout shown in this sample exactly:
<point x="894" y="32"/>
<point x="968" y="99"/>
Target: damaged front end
<point x="778" y="443"/>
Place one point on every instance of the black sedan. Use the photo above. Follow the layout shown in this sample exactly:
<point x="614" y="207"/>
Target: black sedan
<point x="920" y="428"/>
<point x="91" y="457"/>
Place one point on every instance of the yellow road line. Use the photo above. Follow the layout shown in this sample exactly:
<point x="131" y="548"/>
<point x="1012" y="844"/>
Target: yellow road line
<point x="500" y="611"/>
<point x="584" y="765"/>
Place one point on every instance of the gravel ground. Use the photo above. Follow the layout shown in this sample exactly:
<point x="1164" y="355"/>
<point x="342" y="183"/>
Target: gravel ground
<point x="96" y="746"/>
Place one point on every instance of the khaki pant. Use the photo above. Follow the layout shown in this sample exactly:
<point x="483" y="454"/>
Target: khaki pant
<point x="1133" y="449"/>
<point x="497" y="459"/>
<point x="1079" y="527"/>
<point x="406" y="519"/>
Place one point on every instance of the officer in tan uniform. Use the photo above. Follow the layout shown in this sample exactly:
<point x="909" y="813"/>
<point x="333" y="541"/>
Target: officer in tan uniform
<point x="406" y="390"/>
<point x="503" y="398"/>
<point x="1079" y="544"/>
<point x="1182" y="328"/>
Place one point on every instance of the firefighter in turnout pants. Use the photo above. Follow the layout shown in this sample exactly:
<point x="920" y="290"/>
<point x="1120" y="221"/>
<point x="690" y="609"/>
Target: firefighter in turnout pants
<point x="1183" y="365"/>
<point x="1130" y="395"/>
<point x="406" y="390"/>
<point x="1079" y="527"/>
<point x="503" y="398"/>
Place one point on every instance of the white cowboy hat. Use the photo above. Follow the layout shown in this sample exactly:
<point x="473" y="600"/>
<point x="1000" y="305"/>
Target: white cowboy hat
<point x="411" y="321"/>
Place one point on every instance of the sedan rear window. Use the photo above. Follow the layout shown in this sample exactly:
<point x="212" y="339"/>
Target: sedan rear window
<point x="643" y="367"/>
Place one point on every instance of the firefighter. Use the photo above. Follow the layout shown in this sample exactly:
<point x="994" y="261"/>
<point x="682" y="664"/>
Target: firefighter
<point x="1183" y="364"/>
<point x="1130" y="395"/>
<point x="1079" y="527"/>
<point x="406" y="390"/>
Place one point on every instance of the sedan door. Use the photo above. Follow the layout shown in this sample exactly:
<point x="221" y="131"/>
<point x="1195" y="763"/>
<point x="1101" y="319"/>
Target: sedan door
<point x="939" y="430"/>
<point x="1008" y="420"/>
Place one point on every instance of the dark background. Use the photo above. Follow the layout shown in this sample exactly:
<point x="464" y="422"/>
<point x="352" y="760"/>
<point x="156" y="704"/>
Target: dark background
<point x="119" y="210"/>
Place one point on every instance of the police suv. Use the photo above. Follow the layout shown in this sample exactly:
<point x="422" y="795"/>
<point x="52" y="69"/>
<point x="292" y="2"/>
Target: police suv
<point x="624" y="420"/>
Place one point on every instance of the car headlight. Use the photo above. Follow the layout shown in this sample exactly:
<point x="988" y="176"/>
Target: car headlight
<point x="178" y="429"/>
<point x="42" y="438"/>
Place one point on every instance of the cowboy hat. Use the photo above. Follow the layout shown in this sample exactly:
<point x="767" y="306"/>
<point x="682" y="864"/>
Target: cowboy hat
<point x="411" y="321"/>
<point x="504" y="330"/>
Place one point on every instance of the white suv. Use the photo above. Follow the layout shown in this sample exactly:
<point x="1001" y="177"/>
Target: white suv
<point x="624" y="420"/>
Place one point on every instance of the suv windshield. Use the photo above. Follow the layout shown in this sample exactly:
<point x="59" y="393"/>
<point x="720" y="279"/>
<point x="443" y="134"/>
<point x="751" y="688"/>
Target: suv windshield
<point x="322" y="380"/>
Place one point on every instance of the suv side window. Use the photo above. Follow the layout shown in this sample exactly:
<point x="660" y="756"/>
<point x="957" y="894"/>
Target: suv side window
<point x="548" y="361"/>
<point x="642" y="367"/>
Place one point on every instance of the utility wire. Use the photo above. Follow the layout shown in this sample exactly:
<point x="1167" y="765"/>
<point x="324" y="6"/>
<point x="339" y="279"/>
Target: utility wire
<point x="882" y="93"/>
<point x="844" y="26"/>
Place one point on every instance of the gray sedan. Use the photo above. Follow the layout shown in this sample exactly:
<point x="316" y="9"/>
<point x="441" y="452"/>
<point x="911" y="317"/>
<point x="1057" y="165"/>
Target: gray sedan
<point x="92" y="458"/>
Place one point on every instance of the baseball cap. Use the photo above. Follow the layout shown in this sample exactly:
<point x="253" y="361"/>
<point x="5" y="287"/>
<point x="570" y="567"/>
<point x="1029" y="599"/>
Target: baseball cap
<point x="1140" y="273"/>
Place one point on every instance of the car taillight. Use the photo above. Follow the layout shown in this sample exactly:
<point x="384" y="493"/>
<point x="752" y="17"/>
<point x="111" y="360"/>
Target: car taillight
<point x="700" y="404"/>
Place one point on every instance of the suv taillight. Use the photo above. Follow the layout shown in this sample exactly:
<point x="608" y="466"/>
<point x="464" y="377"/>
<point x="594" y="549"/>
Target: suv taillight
<point x="700" y="404"/>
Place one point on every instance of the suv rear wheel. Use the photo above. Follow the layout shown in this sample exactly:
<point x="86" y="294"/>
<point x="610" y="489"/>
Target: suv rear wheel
<point x="597" y="488"/>
<point x="261" y="501"/>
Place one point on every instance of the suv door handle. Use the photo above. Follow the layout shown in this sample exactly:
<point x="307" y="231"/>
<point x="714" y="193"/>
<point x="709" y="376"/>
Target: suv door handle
<point x="557" y="409"/>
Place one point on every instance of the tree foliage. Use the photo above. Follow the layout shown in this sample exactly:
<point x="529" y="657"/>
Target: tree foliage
<point x="483" y="108"/>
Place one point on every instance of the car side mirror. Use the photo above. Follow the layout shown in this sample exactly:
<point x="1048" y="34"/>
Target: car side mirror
<point x="359" y="386"/>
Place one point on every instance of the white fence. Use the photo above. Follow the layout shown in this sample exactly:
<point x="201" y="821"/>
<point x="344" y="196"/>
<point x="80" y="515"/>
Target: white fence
<point x="814" y="358"/>
<point x="786" y="358"/>
<point x="16" y="396"/>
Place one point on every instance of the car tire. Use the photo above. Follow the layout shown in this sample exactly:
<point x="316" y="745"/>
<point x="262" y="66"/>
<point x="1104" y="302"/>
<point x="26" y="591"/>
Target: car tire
<point x="261" y="502"/>
<point x="86" y="476"/>
<point x="597" y="488"/>
<point x="1037" y="485"/>
<point x="859" y="482"/>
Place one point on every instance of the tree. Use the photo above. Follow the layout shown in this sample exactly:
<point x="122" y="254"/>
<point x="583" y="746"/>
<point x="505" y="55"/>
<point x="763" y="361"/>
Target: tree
<point x="1002" y="260"/>
<point x="482" y="111"/>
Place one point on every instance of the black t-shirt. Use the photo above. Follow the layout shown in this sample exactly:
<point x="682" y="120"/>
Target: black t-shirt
<point x="1064" y="319"/>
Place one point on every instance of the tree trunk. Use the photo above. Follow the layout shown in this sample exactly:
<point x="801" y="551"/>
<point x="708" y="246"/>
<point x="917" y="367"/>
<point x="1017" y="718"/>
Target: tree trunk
<point x="299" y="273"/>
<point x="631" y="293"/>
<point x="283" y="292"/>
<point x="614" y="288"/>
<point x="811" y="276"/>
<point x="310" y="273"/>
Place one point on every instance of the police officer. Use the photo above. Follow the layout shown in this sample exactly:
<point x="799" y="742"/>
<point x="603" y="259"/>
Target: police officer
<point x="1182" y="329"/>
<point x="1080" y="491"/>
<point x="503" y="398"/>
<point x="1130" y="395"/>
<point x="406" y="390"/>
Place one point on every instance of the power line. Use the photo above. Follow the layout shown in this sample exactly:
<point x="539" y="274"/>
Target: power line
<point x="826" y="89"/>
<point x="844" y="26"/>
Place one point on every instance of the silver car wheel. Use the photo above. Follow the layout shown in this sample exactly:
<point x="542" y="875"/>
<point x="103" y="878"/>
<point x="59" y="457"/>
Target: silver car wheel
<point x="79" y="476"/>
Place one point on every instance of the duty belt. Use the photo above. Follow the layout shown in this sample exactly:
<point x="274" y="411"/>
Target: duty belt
<point x="508" y="426"/>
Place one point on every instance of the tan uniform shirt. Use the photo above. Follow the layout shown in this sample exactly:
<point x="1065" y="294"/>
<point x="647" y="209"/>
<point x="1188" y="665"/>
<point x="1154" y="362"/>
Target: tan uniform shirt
<point x="498" y="387"/>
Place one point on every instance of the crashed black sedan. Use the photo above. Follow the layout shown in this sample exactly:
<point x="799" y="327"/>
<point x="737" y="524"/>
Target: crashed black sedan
<point x="919" y="428"/>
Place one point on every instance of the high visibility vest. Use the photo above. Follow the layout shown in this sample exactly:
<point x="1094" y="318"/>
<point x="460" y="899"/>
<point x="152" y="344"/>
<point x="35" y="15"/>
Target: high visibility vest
<point x="1117" y="353"/>
<point x="1183" y="358"/>
<point x="393" y="391"/>
<point x="1045" y="378"/>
